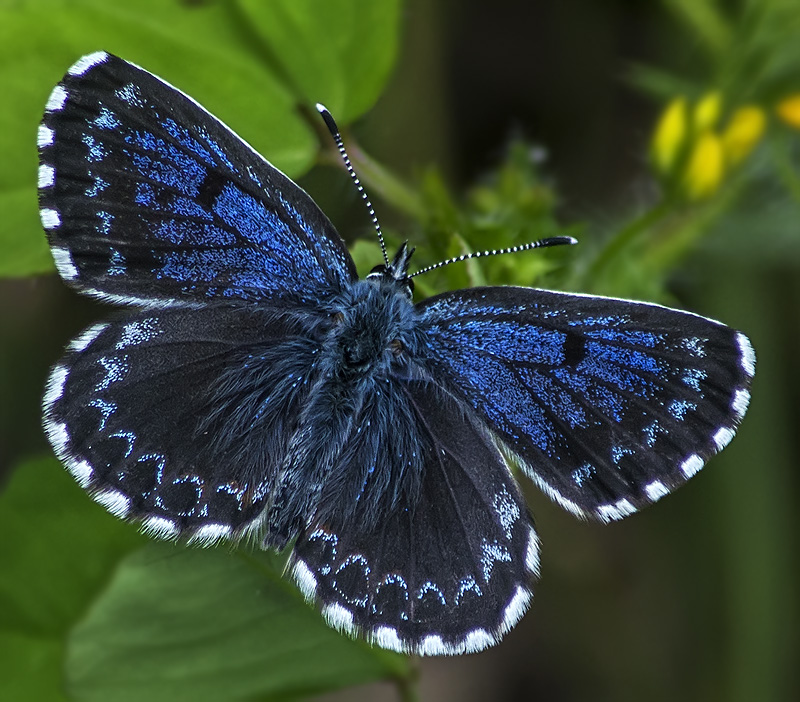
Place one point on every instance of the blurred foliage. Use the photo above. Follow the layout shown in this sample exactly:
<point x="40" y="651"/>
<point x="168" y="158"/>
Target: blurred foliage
<point x="512" y="206"/>
<point x="88" y="610"/>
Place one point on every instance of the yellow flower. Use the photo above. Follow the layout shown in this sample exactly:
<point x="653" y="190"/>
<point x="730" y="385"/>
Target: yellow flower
<point x="669" y="135"/>
<point x="706" y="166"/>
<point x="788" y="110"/>
<point x="743" y="132"/>
<point x="707" y="111"/>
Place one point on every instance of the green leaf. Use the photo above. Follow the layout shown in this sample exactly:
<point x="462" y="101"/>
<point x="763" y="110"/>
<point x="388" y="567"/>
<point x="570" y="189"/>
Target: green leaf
<point x="661" y="84"/>
<point x="58" y="549"/>
<point x="31" y="668"/>
<point x="181" y="623"/>
<point x="366" y="253"/>
<point x="339" y="53"/>
<point x="199" y="47"/>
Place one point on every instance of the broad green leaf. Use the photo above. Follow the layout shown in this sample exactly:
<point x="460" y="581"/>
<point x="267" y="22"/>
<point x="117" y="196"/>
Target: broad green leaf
<point x="31" y="668"/>
<point x="339" y="53"/>
<point x="57" y="551"/>
<point x="188" y="624"/>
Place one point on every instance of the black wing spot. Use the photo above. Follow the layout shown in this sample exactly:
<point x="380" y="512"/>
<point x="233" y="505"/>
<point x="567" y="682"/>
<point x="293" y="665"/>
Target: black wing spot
<point x="574" y="349"/>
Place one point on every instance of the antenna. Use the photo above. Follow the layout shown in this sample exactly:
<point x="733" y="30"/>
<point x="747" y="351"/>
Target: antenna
<point x="330" y="123"/>
<point x="542" y="243"/>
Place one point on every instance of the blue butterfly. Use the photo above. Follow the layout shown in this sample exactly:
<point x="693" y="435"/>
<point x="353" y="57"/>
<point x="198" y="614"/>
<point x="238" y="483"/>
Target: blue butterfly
<point x="256" y="387"/>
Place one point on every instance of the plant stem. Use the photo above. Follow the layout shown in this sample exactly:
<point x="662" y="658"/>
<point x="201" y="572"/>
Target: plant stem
<point x="379" y="180"/>
<point x="408" y="686"/>
<point x="390" y="187"/>
<point x="666" y="253"/>
<point x="626" y="235"/>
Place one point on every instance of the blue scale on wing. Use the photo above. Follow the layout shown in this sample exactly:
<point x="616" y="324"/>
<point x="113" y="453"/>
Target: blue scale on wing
<point x="598" y="397"/>
<point x="152" y="207"/>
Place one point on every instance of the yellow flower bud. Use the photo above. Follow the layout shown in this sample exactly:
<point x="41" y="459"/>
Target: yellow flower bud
<point x="788" y="110"/>
<point x="707" y="111"/>
<point x="669" y="135"/>
<point x="705" y="168"/>
<point x="743" y="132"/>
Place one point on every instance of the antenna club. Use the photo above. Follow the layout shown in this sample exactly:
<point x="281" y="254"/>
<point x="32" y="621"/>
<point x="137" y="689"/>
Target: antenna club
<point x="559" y="241"/>
<point x="330" y="122"/>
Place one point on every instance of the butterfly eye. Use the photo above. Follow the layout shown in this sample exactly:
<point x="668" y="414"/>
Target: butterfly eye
<point x="338" y="318"/>
<point x="397" y="347"/>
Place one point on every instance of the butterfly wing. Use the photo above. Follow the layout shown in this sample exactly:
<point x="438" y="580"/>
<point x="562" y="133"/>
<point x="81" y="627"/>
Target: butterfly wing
<point x="449" y="567"/>
<point x="608" y="404"/>
<point x="148" y="198"/>
<point x="180" y="417"/>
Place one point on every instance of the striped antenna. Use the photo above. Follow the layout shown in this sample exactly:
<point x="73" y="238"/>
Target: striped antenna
<point x="333" y="128"/>
<point x="550" y="241"/>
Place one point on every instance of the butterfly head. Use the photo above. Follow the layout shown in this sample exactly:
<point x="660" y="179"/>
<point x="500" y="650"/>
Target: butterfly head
<point x="396" y="273"/>
<point x="374" y="319"/>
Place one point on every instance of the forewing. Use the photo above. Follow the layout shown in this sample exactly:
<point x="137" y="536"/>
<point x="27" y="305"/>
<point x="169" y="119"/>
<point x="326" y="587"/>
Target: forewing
<point x="146" y="197"/>
<point x="449" y="568"/>
<point x="609" y="404"/>
<point x="180" y="417"/>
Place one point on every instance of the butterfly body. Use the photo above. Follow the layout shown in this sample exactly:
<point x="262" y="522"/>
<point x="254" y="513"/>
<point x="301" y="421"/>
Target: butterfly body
<point x="364" y="349"/>
<point x="256" y="387"/>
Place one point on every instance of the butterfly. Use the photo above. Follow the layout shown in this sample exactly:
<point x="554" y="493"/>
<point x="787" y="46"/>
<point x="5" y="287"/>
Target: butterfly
<point x="255" y="387"/>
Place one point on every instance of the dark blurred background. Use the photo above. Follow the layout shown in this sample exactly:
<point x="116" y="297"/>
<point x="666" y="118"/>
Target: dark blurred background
<point x="694" y="599"/>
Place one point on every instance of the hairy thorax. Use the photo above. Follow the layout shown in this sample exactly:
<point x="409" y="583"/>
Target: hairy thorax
<point x="372" y="332"/>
